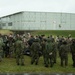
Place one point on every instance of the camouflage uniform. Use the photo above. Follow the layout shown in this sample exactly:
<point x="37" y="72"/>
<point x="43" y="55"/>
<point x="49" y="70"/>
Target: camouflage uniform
<point x="50" y="48"/>
<point x="55" y="51"/>
<point x="64" y="54"/>
<point x="35" y="47"/>
<point x="58" y="46"/>
<point x="11" y="47"/>
<point x="45" y="52"/>
<point x="7" y="48"/>
<point x="19" y="49"/>
<point x="73" y="52"/>
<point x="1" y="48"/>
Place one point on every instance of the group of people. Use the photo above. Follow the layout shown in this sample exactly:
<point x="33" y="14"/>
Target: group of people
<point x="14" y="45"/>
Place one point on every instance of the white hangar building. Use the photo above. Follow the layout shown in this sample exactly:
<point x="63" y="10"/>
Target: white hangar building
<point x="27" y="20"/>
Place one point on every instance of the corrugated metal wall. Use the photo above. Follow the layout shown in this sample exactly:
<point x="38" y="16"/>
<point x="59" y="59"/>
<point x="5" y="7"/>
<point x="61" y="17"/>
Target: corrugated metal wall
<point x="40" y="21"/>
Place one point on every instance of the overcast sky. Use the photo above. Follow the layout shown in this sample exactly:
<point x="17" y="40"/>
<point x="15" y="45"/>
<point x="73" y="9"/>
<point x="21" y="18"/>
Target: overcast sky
<point x="12" y="6"/>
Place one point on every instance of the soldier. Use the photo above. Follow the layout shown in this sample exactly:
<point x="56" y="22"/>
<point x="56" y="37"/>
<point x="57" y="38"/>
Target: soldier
<point x="58" y="46"/>
<point x="11" y="46"/>
<point x="64" y="53"/>
<point x="69" y="42"/>
<point x="19" y="49"/>
<point x="30" y="41"/>
<point x="1" y="47"/>
<point x="50" y="47"/>
<point x="35" y="47"/>
<point x="54" y="50"/>
<point x="44" y="51"/>
<point x="73" y="51"/>
<point x="6" y="46"/>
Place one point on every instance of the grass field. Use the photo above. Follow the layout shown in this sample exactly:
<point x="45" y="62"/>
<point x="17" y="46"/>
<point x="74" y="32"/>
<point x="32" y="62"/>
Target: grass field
<point x="45" y="32"/>
<point x="55" y="32"/>
<point x="5" y="32"/>
<point x="8" y="65"/>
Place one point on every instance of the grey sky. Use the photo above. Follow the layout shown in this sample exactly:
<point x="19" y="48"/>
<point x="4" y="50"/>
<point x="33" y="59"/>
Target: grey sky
<point x="11" y="6"/>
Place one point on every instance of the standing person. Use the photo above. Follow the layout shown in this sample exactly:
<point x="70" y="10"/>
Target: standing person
<point x="7" y="47"/>
<point x="45" y="52"/>
<point x="35" y="47"/>
<point x="1" y="47"/>
<point x="19" y="49"/>
<point x="11" y="46"/>
<point x="31" y="40"/>
<point x="64" y="53"/>
<point x="73" y="51"/>
<point x="58" y="46"/>
<point x="50" y="47"/>
<point x="54" y="50"/>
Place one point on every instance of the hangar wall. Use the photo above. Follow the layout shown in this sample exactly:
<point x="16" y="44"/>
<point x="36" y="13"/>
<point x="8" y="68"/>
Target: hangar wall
<point x="38" y="21"/>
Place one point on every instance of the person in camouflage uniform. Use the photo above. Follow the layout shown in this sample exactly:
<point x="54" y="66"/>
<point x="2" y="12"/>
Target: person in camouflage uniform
<point x="50" y="47"/>
<point x="1" y="48"/>
<point x="35" y="47"/>
<point x="19" y="49"/>
<point x="45" y="52"/>
<point x="64" y="53"/>
<point x="58" y="46"/>
<point x="73" y="51"/>
<point x="11" y="46"/>
<point x="54" y="50"/>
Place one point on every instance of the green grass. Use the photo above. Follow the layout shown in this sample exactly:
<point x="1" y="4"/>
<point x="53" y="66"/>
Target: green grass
<point x="45" y="32"/>
<point x="8" y="65"/>
<point x="4" y="32"/>
<point x="54" y="32"/>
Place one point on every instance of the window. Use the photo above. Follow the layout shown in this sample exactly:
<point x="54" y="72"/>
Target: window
<point x="3" y="24"/>
<point x="10" y="24"/>
<point x="59" y="26"/>
<point x="0" y="26"/>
